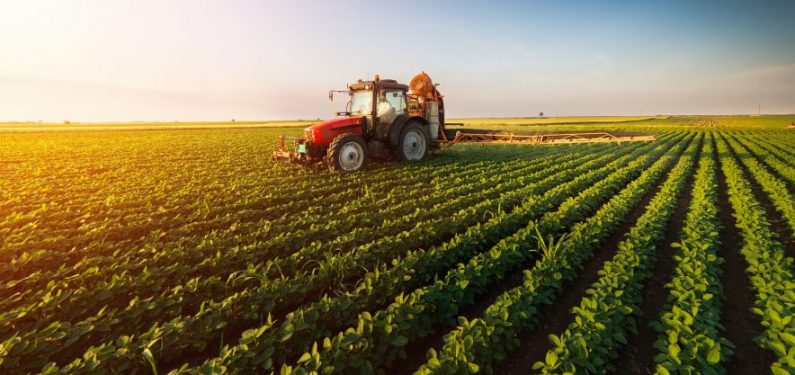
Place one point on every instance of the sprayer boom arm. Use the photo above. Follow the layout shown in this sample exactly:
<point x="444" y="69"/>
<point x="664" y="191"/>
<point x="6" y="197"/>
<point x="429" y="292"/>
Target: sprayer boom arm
<point x="542" y="139"/>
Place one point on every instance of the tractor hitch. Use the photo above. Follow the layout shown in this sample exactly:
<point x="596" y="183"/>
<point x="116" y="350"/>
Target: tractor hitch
<point x="282" y="153"/>
<point x="300" y="154"/>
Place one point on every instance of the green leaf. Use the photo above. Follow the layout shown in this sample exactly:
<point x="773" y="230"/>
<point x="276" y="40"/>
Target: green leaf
<point x="779" y="348"/>
<point x="673" y="351"/>
<point x="400" y="341"/>
<point x="305" y="357"/>
<point x="789" y="338"/>
<point x="552" y="358"/>
<point x="555" y="340"/>
<point x="150" y="359"/>
<point x="713" y="357"/>
<point x="49" y="369"/>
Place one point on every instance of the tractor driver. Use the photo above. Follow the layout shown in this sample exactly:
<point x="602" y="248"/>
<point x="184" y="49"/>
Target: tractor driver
<point x="386" y="112"/>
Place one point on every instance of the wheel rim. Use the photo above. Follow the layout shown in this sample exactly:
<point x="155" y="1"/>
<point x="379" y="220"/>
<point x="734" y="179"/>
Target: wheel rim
<point x="351" y="156"/>
<point x="414" y="145"/>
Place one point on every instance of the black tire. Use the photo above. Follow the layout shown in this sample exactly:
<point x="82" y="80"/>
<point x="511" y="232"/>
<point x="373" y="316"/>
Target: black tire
<point x="418" y="145"/>
<point x="347" y="153"/>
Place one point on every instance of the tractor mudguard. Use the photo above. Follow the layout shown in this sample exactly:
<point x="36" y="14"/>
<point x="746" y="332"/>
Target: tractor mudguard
<point x="397" y="125"/>
<point x="393" y="130"/>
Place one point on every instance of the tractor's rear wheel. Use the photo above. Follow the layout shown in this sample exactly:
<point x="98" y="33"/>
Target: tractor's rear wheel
<point x="347" y="153"/>
<point x="413" y="142"/>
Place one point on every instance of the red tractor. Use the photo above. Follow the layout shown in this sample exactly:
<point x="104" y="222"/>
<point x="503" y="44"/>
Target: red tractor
<point x="383" y="119"/>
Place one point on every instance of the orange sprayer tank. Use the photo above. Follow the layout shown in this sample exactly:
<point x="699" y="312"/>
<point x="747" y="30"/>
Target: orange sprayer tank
<point x="422" y="85"/>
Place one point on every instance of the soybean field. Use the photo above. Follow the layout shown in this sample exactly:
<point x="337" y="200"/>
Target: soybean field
<point x="188" y="250"/>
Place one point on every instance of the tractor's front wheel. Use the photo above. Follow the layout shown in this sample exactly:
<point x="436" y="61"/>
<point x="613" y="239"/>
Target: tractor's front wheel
<point x="347" y="153"/>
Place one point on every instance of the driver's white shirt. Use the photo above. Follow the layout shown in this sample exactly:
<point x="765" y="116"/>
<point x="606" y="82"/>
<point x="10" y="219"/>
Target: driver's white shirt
<point x="385" y="111"/>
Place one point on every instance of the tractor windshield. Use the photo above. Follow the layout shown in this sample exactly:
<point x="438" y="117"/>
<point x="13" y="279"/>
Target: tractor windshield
<point x="362" y="102"/>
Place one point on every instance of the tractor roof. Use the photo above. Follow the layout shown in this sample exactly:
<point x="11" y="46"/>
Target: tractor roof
<point x="380" y="84"/>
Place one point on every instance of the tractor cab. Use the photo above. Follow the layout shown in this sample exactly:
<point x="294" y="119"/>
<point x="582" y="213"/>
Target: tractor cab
<point x="379" y="101"/>
<point x="382" y="119"/>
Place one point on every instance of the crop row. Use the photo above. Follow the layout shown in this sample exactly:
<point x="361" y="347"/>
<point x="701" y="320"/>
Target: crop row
<point x="604" y="318"/>
<point x="781" y="143"/>
<point x="772" y="157"/>
<point x="769" y="270"/>
<point x="116" y="202"/>
<point x="380" y="338"/>
<point x="325" y="317"/>
<point x="775" y="188"/>
<point x="143" y="313"/>
<point x="197" y="261"/>
<point x="689" y="328"/>
<point x="253" y="303"/>
<point x="190" y="211"/>
<point x="478" y="344"/>
<point x="238" y="230"/>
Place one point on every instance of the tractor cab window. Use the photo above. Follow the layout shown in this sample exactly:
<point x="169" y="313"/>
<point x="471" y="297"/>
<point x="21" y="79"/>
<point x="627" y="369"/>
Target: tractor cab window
<point x="362" y="102"/>
<point x="391" y="103"/>
<point x="396" y="100"/>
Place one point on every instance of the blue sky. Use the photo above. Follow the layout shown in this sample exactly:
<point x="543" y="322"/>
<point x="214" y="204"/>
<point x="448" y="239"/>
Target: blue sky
<point x="209" y="60"/>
